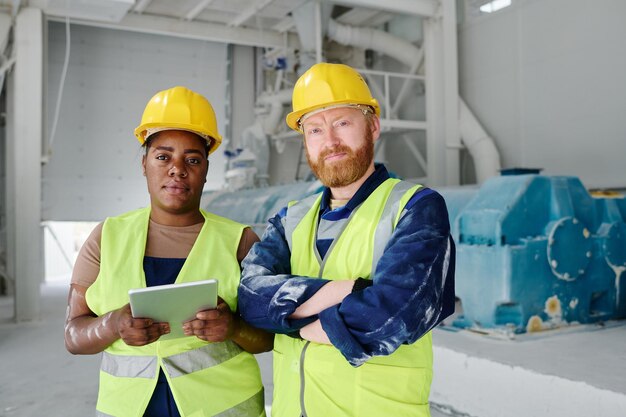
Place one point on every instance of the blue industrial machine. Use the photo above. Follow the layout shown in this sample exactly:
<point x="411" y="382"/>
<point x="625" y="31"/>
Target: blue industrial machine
<point x="256" y="205"/>
<point x="533" y="251"/>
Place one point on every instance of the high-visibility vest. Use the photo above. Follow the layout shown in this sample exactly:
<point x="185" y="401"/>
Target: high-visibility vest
<point x="315" y="380"/>
<point x="206" y="379"/>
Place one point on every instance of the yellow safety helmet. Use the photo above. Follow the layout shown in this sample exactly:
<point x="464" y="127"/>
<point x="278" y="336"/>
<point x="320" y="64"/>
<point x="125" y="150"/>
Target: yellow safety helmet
<point x="328" y="85"/>
<point x="179" y="108"/>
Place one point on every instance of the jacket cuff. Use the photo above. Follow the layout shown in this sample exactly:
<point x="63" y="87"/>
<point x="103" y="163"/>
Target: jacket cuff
<point x="341" y="338"/>
<point x="289" y="297"/>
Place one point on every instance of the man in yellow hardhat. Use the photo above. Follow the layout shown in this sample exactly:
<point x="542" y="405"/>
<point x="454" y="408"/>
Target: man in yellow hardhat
<point x="210" y="370"/>
<point x="353" y="278"/>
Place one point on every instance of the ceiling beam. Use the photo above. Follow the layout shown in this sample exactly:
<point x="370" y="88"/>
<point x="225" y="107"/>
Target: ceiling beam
<point x="284" y="25"/>
<point x="198" y="8"/>
<point x="357" y="17"/>
<point x="249" y="12"/>
<point x="195" y="30"/>
<point x="426" y="8"/>
<point x="141" y="6"/>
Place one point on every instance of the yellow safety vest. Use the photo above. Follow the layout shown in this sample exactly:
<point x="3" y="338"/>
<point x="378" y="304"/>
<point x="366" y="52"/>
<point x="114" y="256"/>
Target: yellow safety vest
<point x="206" y="379"/>
<point x="315" y="380"/>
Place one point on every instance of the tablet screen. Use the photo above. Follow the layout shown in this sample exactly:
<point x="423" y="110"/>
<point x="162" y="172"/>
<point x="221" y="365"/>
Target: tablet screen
<point x="173" y="303"/>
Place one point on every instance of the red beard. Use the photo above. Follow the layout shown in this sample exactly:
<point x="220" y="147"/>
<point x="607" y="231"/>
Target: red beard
<point x="347" y="171"/>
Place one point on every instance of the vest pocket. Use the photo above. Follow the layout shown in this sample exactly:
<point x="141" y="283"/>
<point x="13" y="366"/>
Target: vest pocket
<point x="405" y="390"/>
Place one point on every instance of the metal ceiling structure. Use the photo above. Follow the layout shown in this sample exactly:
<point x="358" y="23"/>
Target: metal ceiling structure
<point x="266" y="23"/>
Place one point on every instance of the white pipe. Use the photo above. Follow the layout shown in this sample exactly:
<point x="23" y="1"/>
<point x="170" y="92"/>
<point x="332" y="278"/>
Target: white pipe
<point x="367" y="38"/>
<point x="279" y="79"/>
<point x="5" y="67"/>
<point x="318" y="32"/>
<point x="276" y="101"/>
<point x="255" y="137"/>
<point x="311" y="21"/>
<point x="311" y="24"/>
<point x="479" y="144"/>
<point x="426" y="8"/>
<point x="57" y="108"/>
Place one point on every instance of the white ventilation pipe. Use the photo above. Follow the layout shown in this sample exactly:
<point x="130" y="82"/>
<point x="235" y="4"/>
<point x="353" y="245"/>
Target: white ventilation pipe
<point x="311" y="23"/>
<point x="479" y="144"/>
<point x="255" y="137"/>
<point x="276" y="101"/>
<point x="384" y="42"/>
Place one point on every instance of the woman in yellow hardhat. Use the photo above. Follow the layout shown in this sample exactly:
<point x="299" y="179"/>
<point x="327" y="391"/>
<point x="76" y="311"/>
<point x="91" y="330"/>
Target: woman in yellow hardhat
<point x="211" y="370"/>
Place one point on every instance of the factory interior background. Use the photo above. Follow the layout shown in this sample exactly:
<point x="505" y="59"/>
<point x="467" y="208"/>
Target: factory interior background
<point x="512" y="109"/>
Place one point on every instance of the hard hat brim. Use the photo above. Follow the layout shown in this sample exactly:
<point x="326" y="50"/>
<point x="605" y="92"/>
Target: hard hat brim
<point x="294" y="117"/>
<point x="213" y="139"/>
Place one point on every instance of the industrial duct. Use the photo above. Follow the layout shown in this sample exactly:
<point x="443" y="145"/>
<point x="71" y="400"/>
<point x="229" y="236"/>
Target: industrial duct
<point x="378" y="40"/>
<point x="276" y="101"/>
<point x="479" y="144"/>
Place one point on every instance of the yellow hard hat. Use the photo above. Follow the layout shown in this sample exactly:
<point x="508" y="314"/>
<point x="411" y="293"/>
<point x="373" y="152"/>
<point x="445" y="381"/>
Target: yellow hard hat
<point x="328" y="85"/>
<point x="179" y="108"/>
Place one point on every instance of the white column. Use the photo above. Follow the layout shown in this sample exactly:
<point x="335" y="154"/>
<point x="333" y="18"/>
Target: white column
<point x="442" y="95"/>
<point x="24" y="148"/>
<point x="319" y="36"/>
<point x="451" y="91"/>
<point x="435" y="127"/>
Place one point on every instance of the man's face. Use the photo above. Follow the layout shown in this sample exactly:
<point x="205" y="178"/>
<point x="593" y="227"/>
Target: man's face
<point x="339" y="145"/>
<point x="175" y="167"/>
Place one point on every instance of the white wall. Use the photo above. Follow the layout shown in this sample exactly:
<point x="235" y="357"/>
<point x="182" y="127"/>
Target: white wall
<point x="547" y="78"/>
<point x="94" y="170"/>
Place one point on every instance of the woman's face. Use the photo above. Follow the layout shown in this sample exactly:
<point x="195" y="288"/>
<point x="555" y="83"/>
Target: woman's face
<point x="175" y="166"/>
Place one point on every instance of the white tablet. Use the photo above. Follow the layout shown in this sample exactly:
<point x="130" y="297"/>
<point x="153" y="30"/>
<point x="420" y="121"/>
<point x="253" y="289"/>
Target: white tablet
<point x="173" y="303"/>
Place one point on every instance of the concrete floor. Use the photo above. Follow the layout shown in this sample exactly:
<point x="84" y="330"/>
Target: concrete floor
<point x="40" y="378"/>
<point x="572" y="371"/>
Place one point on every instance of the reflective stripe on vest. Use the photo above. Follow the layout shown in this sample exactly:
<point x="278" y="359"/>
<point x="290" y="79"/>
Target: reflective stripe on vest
<point x="389" y="219"/>
<point x="328" y="229"/>
<point x="296" y="211"/>
<point x="129" y="366"/>
<point x="201" y="358"/>
<point x="249" y="407"/>
<point x="397" y="384"/>
<point x="184" y="363"/>
<point x="205" y="378"/>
